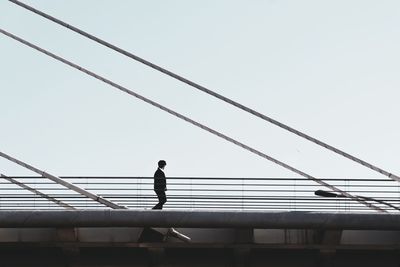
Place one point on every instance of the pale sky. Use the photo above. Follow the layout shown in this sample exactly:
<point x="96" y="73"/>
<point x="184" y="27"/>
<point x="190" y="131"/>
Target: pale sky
<point x="328" y="68"/>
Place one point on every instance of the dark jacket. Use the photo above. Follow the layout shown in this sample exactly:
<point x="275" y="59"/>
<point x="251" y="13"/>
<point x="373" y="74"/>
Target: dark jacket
<point x="160" y="183"/>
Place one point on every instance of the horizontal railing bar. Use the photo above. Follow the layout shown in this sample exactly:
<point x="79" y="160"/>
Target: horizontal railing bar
<point x="192" y="204"/>
<point x="238" y="201"/>
<point x="213" y="184"/>
<point x="206" y="207"/>
<point x="245" y="190"/>
<point x="198" y="208"/>
<point x="288" y="198"/>
<point x="226" y="197"/>
<point x="254" y="204"/>
<point x="194" y="190"/>
<point x="204" y="197"/>
<point x="238" y="205"/>
<point x="210" y="178"/>
<point x="218" y="187"/>
<point x="210" y="184"/>
<point x="198" y="205"/>
<point x="272" y="207"/>
<point x="179" y="189"/>
<point x="205" y="190"/>
<point x="204" y="193"/>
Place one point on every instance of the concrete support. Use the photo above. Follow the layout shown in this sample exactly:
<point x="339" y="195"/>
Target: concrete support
<point x="330" y="240"/>
<point x="156" y="257"/>
<point x="327" y="258"/>
<point x="150" y="235"/>
<point x="66" y="234"/>
<point x="241" y="257"/>
<point x="245" y="235"/>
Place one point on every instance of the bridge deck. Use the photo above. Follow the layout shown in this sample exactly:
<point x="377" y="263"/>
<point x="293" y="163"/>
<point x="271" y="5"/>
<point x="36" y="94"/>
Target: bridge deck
<point x="199" y="219"/>
<point x="129" y="239"/>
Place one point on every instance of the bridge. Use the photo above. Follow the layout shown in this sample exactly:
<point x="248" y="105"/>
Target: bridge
<point x="228" y="238"/>
<point x="230" y="223"/>
<point x="208" y="221"/>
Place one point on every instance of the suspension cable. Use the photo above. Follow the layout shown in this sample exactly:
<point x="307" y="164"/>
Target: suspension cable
<point x="187" y="119"/>
<point x="37" y="192"/>
<point x="210" y="92"/>
<point x="60" y="181"/>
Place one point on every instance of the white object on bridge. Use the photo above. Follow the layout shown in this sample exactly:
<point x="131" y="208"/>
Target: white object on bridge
<point x="174" y="233"/>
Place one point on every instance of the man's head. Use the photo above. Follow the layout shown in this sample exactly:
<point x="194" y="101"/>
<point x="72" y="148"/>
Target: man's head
<point x="162" y="164"/>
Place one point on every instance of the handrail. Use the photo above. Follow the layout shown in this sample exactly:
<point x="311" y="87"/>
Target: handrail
<point x="268" y="193"/>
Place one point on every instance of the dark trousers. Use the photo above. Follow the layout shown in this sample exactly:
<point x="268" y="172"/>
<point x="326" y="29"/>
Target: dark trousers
<point x="162" y="198"/>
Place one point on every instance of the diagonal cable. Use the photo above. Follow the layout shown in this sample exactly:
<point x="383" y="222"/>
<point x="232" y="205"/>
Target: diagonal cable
<point x="60" y="181"/>
<point x="212" y="93"/>
<point x="37" y="192"/>
<point x="187" y="119"/>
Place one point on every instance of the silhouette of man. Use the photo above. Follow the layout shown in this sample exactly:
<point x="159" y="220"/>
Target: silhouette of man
<point x="160" y="185"/>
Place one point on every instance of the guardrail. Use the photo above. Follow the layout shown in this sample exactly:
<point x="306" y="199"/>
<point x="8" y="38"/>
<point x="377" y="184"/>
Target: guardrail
<point x="204" y="193"/>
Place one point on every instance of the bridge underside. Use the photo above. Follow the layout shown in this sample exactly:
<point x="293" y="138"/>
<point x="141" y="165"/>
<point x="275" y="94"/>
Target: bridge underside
<point x="71" y="238"/>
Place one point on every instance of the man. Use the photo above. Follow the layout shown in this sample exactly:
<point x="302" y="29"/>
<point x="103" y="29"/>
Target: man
<point x="160" y="185"/>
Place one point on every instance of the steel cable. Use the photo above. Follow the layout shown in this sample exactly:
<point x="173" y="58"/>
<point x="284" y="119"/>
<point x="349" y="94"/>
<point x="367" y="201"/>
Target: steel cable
<point x="37" y="192"/>
<point x="60" y="181"/>
<point x="187" y="119"/>
<point x="210" y="92"/>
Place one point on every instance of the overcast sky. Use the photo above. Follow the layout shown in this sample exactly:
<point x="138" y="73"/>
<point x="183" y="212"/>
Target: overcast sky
<point x="328" y="68"/>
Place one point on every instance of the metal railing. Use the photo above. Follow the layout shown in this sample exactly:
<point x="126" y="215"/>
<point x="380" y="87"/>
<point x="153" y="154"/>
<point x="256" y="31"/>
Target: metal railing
<point x="204" y="193"/>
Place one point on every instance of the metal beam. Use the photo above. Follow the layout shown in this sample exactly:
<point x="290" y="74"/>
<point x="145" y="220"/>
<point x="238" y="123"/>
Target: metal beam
<point x="199" y="219"/>
<point x="37" y="192"/>
<point x="60" y="181"/>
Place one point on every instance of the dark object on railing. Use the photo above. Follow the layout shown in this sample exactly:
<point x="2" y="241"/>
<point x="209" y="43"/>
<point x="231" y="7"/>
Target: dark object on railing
<point x="323" y="193"/>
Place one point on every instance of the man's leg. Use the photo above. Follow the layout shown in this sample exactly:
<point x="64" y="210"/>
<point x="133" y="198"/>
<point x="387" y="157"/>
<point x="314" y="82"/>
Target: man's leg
<point x="162" y="199"/>
<point x="160" y="203"/>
